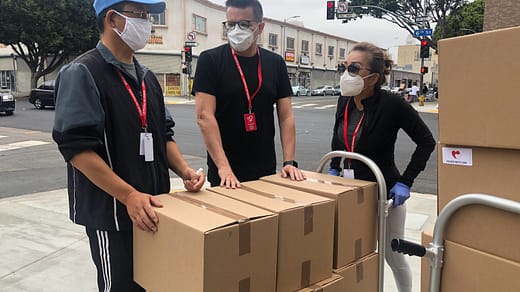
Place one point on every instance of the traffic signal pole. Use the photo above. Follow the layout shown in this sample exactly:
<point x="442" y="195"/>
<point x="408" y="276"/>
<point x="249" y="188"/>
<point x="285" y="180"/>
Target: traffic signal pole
<point x="421" y="77"/>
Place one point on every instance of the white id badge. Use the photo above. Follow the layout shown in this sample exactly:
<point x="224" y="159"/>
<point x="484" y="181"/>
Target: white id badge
<point x="148" y="147"/>
<point x="141" y="144"/>
<point x="348" y="173"/>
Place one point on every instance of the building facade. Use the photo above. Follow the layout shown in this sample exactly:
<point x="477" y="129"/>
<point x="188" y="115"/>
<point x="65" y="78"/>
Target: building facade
<point x="311" y="56"/>
<point x="501" y="14"/>
<point x="408" y="59"/>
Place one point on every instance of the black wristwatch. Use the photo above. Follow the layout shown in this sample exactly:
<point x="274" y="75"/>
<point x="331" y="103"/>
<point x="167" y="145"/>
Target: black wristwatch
<point x="291" y="162"/>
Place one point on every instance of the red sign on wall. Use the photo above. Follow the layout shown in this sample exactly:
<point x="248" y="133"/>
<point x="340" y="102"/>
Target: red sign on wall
<point x="289" y="56"/>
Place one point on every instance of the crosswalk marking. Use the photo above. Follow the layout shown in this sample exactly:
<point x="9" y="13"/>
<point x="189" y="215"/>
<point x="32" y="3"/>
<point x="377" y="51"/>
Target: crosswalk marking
<point x="305" y="105"/>
<point x="326" y="106"/>
<point x="3" y="136"/>
<point x="23" y="144"/>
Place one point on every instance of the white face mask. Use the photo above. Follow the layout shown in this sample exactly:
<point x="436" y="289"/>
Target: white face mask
<point x="240" y="39"/>
<point x="136" y="32"/>
<point x="352" y="85"/>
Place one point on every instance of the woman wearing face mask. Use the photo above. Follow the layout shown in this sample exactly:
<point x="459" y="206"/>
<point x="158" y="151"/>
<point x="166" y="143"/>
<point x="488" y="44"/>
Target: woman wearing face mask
<point x="367" y="122"/>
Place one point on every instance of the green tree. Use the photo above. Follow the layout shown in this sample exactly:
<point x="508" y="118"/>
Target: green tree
<point x="405" y="12"/>
<point x="44" y="33"/>
<point x="467" y="19"/>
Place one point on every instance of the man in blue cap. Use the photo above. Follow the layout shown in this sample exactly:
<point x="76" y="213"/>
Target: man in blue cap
<point x="116" y="135"/>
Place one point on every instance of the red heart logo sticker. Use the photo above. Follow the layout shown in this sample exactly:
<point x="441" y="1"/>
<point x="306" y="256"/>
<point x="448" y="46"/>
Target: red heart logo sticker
<point x="454" y="153"/>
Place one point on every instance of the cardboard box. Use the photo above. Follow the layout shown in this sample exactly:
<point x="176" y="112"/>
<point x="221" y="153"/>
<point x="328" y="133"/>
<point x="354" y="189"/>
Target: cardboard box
<point x="356" y="212"/>
<point x="477" y="104"/>
<point x="305" y="234"/>
<point x="361" y="276"/>
<point x="469" y="270"/>
<point x="332" y="284"/>
<point x="492" y="171"/>
<point x="463" y="170"/>
<point x="207" y="242"/>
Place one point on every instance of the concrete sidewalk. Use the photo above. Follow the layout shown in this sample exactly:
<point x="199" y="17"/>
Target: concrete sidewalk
<point x="42" y="250"/>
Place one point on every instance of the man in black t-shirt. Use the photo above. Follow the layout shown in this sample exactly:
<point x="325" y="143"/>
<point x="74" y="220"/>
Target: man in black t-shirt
<point x="236" y="86"/>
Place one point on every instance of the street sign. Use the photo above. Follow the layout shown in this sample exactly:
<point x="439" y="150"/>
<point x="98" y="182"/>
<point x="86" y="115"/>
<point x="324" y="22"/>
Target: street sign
<point x="423" y="18"/>
<point x="191" y="44"/>
<point x="191" y="36"/>
<point x="422" y="32"/>
<point x="342" y="7"/>
<point x="345" y="15"/>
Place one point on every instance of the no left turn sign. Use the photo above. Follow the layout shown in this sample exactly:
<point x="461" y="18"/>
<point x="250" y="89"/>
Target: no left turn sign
<point x="191" y="36"/>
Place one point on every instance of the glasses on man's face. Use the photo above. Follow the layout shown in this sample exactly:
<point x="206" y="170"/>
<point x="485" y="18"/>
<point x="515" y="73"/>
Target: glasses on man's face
<point x="242" y="24"/>
<point x="136" y="14"/>
<point x="355" y="67"/>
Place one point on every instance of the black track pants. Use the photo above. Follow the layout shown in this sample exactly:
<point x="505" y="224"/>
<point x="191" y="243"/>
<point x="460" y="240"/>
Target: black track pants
<point x="112" y="252"/>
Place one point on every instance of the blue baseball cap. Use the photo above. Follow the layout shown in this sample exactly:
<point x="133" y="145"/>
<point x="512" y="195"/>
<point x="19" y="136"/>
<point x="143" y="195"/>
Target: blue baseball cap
<point x="154" y="6"/>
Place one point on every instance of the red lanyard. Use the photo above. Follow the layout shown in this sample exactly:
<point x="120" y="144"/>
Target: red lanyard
<point x="350" y="148"/>
<point x="140" y="111"/>
<point x="246" y="88"/>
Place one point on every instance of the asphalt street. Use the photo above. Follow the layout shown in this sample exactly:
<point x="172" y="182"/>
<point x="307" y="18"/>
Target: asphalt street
<point x="37" y="166"/>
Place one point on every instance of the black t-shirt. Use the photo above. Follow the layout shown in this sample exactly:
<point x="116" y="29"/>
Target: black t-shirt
<point x="251" y="154"/>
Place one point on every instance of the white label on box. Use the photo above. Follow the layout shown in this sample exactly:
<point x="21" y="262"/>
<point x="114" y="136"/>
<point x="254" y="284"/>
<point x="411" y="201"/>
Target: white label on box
<point x="457" y="156"/>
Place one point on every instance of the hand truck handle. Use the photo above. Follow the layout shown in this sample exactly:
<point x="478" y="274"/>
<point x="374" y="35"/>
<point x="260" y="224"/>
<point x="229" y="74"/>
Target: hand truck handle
<point x="408" y="247"/>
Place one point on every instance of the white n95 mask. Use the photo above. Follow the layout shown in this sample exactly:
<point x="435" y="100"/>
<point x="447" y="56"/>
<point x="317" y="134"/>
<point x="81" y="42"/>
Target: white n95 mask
<point x="352" y="85"/>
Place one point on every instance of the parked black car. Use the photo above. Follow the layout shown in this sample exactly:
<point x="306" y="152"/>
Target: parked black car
<point x="43" y="95"/>
<point x="7" y="102"/>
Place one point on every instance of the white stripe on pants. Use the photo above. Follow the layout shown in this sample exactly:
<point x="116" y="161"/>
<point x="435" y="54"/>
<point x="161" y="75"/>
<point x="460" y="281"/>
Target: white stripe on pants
<point x="104" y="255"/>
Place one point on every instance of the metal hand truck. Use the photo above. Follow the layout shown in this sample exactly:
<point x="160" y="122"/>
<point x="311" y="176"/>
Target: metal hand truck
<point x="383" y="204"/>
<point x="435" y="251"/>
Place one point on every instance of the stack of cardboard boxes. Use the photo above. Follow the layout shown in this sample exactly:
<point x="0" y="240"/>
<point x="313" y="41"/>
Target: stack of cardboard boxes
<point x="270" y="235"/>
<point x="479" y="152"/>
<point x="355" y="226"/>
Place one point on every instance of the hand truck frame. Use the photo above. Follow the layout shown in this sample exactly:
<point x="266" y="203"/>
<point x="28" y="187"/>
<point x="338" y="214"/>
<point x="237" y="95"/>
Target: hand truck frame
<point x="383" y="203"/>
<point x="435" y="251"/>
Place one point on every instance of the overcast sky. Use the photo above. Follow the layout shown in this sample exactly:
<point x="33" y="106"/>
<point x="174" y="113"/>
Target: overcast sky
<point x="313" y="12"/>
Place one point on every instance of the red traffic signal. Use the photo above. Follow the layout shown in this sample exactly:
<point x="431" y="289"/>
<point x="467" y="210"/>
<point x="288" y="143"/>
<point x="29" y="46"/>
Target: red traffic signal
<point x="188" y="54"/>
<point x="424" y="70"/>
<point x="425" y="49"/>
<point x="331" y="9"/>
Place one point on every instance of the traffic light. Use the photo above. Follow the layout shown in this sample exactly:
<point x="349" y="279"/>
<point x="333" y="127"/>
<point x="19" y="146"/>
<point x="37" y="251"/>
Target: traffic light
<point x="424" y="70"/>
<point x="425" y="49"/>
<point x="187" y="54"/>
<point x="331" y="7"/>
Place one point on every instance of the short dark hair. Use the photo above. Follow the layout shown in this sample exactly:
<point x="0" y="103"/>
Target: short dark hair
<point x="257" y="7"/>
<point x="101" y="17"/>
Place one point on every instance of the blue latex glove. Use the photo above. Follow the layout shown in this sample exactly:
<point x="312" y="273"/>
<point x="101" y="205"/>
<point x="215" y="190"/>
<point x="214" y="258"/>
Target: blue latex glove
<point x="400" y="193"/>
<point x="333" y="171"/>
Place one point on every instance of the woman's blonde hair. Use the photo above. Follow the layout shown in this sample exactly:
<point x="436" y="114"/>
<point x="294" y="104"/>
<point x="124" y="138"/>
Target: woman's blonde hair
<point x="380" y="61"/>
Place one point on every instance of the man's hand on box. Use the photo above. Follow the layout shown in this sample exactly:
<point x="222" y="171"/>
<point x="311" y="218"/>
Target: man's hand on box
<point x="140" y="209"/>
<point x="293" y="173"/>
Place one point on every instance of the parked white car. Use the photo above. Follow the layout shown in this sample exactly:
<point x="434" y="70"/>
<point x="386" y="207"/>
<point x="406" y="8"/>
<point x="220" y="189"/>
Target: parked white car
<point x="323" y="90"/>
<point x="300" y="90"/>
